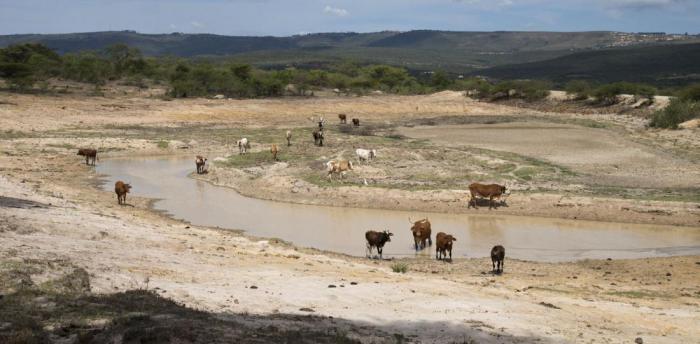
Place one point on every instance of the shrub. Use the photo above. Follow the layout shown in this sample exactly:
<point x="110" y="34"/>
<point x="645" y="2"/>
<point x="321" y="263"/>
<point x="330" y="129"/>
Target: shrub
<point x="608" y="94"/>
<point x="580" y="89"/>
<point x="690" y="93"/>
<point x="529" y="90"/>
<point x="399" y="267"/>
<point x="677" y="112"/>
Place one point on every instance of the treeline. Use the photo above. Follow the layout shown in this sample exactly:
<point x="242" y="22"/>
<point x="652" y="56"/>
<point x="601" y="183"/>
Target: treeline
<point x="26" y="65"/>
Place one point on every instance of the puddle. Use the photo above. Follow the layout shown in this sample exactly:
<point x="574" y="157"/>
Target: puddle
<point x="342" y="229"/>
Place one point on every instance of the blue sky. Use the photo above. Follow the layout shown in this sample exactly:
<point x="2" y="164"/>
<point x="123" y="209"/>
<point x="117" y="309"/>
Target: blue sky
<point x="289" y="17"/>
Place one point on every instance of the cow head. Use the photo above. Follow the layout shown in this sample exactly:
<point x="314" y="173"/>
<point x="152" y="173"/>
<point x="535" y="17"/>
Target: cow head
<point x="387" y="235"/>
<point x="127" y="186"/>
<point x="503" y="189"/>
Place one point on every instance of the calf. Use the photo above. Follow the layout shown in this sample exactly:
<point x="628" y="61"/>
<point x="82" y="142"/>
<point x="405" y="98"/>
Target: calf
<point x="365" y="154"/>
<point x="338" y="167"/>
<point x="89" y="154"/>
<point x="200" y="162"/>
<point x="318" y="137"/>
<point x="121" y="189"/>
<point x="443" y="245"/>
<point x="343" y="118"/>
<point x="498" y="254"/>
<point x="243" y="145"/>
<point x="289" y="138"/>
<point x="356" y="122"/>
<point x="489" y="191"/>
<point x="274" y="150"/>
<point x="421" y="233"/>
<point x="377" y="239"/>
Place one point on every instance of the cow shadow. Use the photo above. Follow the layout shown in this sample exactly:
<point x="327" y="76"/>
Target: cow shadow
<point x="484" y="202"/>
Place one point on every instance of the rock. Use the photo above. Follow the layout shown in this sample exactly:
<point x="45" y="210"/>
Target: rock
<point x="353" y="283"/>
<point x="668" y="274"/>
<point x="549" y="305"/>
<point x="219" y="96"/>
<point x="331" y="286"/>
<point x="253" y="287"/>
<point x="639" y="340"/>
<point x="306" y="309"/>
<point x="692" y="124"/>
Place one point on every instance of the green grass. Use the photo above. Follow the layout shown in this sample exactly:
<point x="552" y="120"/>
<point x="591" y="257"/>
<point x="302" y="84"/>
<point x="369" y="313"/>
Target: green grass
<point x="637" y="294"/>
<point x="399" y="268"/>
<point x="163" y="144"/>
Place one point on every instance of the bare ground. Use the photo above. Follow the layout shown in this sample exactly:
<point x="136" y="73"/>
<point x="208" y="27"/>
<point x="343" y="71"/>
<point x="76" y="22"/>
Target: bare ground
<point x="55" y="221"/>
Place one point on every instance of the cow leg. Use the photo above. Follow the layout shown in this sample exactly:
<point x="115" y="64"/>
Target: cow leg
<point x="430" y="241"/>
<point x="493" y="264"/>
<point x="380" y="249"/>
<point x="491" y="202"/>
<point x="369" y="251"/>
<point x="450" y="254"/>
<point x="437" y="254"/>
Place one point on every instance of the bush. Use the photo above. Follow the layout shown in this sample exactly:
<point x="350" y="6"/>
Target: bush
<point x="690" y="93"/>
<point x="677" y="112"/>
<point x="529" y="90"/>
<point x="399" y="267"/>
<point x="580" y="89"/>
<point x="608" y="94"/>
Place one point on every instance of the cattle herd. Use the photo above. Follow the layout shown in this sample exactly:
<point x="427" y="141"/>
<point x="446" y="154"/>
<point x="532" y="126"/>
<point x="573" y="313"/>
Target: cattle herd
<point x="420" y="229"/>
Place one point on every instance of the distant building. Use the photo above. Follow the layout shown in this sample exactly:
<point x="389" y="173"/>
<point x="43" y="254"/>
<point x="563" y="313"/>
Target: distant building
<point x="652" y="33"/>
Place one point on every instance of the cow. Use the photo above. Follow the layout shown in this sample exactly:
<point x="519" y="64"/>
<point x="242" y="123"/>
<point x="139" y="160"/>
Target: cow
<point x="289" y="138"/>
<point x="421" y="232"/>
<point x="443" y="245"/>
<point x="356" y="122"/>
<point x="201" y="163"/>
<point x="338" y="167"/>
<point x="243" y="145"/>
<point x="121" y="189"/>
<point x="274" y="150"/>
<point x="318" y="137"/>
<point x="343" y="118"/>
<point x="498" y="254"/>
<point x="365" y="154"/>
<point x="489" y="191"/>
<point x="377" y="239"/>
<point x="89" y="154"/>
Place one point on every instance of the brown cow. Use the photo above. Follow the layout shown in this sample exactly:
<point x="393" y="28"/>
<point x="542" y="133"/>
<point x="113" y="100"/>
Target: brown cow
<point x="343" y="118"/>
<point x="356" y="122"/>
<point x="421" y="232"/>
<point x="443" y="245"/>
<point x="274" y="150"/>
<point x="489" y="191"/>
<point x="200" y="162"/>
<point x="121" y="189"/>
<point x="89" y="154"/>
<point x="377" y="239"/>
<point x="338" y="167"/>
<point x="498" y="254"/>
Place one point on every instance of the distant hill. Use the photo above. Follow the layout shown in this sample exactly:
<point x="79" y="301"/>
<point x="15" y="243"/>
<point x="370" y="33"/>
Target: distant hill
<point x="665" y="65"/>
<point x="421" y="50"/>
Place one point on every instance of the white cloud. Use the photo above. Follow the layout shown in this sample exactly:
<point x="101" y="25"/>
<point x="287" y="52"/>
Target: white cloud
<point x="196" y="24"/>
<point x="644" y="4"/>
<point x="340" y="12"/>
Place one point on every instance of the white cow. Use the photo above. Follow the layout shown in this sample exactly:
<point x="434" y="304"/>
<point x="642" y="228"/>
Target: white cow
<point x="366" y="154"/>
<point x="243" y="145"/>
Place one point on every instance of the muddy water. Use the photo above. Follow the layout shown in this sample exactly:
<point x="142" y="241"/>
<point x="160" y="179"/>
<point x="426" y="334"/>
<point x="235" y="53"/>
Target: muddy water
<point x="342" y="229"/>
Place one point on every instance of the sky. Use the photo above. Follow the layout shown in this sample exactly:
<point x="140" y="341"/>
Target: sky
<point x="291" y="17"/>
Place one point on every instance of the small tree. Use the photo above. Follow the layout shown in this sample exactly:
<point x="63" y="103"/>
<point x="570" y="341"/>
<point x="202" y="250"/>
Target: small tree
<point x="579" y="89"/>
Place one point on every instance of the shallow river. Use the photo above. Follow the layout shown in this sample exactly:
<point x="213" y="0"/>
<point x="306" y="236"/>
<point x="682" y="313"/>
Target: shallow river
<point x="342" y="229"/>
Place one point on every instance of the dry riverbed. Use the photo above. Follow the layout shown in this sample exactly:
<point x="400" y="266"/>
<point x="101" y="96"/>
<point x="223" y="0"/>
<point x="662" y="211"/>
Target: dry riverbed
<point x="76" y="266"/>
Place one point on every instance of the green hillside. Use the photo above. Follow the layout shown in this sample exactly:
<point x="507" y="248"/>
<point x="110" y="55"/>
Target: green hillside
<point x="457" y="52"/>
<point x="666" y="65"/>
